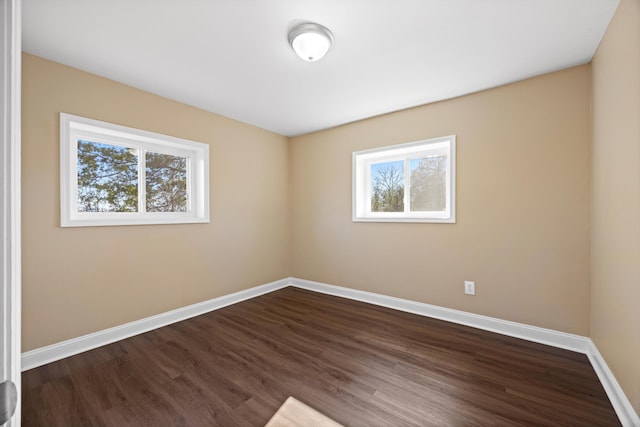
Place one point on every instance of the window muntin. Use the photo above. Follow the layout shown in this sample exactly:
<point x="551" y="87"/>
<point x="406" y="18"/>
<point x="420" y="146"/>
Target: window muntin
<point x="412" y="182"/>
<point x="114" y="175"/>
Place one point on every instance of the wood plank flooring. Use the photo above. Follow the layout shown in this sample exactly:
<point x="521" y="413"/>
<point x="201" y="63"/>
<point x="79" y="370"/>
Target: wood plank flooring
<point x="360" y="364"/>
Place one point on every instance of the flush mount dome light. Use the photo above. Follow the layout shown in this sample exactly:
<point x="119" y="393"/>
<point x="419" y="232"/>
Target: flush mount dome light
<point x="310" y="41"/>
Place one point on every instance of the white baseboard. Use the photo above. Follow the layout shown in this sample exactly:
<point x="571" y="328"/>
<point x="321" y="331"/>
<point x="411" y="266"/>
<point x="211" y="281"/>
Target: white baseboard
<point x="519" y="330"/>
<point x="577" y="343"/>
<point x="51" y="353"/>
<point x="621" y="404"/>
<point x="624" y="409"/>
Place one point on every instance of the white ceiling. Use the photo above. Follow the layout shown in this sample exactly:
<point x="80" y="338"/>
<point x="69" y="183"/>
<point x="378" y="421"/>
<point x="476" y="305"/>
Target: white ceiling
<point x="231" y="57"/>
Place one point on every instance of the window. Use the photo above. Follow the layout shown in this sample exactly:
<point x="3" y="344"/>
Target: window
<point x="115" y="175"/>
<point x="412" y="182"/>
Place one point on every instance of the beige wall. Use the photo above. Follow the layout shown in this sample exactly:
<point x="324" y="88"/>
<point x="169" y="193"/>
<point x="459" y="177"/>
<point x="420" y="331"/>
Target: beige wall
<point x="522" y="231"/>
<point x="615" y="229"/>
<point x="81" y="280"/>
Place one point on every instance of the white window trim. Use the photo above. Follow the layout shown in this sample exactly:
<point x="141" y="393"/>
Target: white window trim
<point x="361" y="180"/>
<point x="73" y="128"/>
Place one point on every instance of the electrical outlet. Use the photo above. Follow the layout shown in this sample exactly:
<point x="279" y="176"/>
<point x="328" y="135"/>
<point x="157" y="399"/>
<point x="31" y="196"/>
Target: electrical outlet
<point x="469" y="287"/>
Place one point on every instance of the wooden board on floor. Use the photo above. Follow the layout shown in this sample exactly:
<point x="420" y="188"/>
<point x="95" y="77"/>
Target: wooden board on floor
<point x="294" y="413"/>
<point x="360" y="364"/>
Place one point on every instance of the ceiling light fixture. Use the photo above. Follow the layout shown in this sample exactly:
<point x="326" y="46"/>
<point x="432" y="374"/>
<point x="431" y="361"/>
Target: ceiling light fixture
<point x="310" y="41"/>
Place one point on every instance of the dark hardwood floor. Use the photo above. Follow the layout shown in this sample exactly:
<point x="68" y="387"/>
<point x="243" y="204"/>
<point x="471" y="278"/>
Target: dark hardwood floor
<point x="359" y="364"/>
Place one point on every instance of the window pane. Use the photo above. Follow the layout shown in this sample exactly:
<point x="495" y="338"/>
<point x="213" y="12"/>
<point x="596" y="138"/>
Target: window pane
<point x="166" y="183"/>
<point x="429" y="184"/>
<point x="107" y="178"/>
<point x="387" y="187"/>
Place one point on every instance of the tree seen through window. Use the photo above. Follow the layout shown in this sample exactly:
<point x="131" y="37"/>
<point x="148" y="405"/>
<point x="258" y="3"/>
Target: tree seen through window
<point x="166" y="178"/>
<point x="427" y="185"/>
<point x="109" y="175"/>
<point x="107" y="178"/>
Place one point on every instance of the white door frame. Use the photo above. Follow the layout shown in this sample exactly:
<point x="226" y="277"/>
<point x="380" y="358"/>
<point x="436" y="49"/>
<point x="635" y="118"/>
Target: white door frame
<point x="10" y="263"/>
